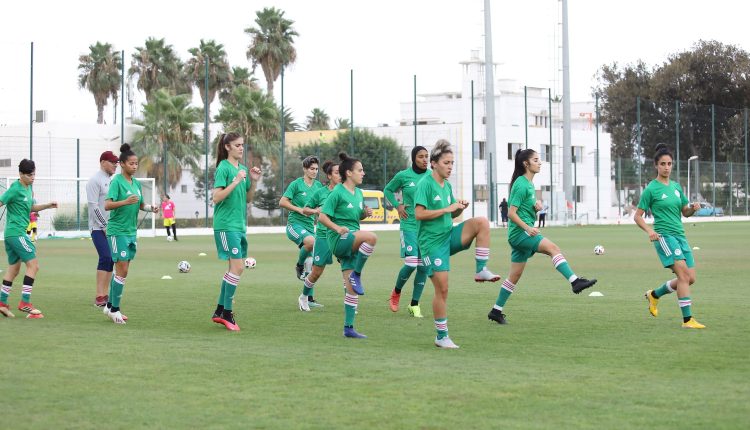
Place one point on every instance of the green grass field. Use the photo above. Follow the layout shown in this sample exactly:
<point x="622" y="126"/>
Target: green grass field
<point x="564" y="361"/>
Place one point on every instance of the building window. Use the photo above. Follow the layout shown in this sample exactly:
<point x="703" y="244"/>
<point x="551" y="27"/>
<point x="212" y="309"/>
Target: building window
<point x="541" y="121"/>
<point x="480" y="150"/>
<point x="578" y="191"/>
<point x="183" y="189"/>
<point x="5" y="162"/>
<point x="577" y="153"/>
<point x="544" y="153"/>
<point x="480" y="193"/>
<point x="546" y="188"/>
<point x="512" y="148"/>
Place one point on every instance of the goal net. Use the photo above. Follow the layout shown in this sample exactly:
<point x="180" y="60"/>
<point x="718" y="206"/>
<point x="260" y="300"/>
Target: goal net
<point x="71" y="218"/>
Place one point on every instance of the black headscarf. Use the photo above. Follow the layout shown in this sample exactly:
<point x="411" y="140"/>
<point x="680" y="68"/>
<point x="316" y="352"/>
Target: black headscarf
<point x="414" y="153"/>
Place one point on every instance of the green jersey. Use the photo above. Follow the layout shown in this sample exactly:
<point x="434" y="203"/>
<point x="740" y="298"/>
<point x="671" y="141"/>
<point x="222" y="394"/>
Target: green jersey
<point x="317" y="200"/>
<point x="406" y="181"/>
<point x="344" y="208"/>
<point x="523" y="197"/>
<point x="434" y="232"/>
<point x="666" y="203"/>
<point x="298" y="193"/>
<point x="123" y="221"/>
<point x="17" y="200"/>
<point x="230" y="214"/>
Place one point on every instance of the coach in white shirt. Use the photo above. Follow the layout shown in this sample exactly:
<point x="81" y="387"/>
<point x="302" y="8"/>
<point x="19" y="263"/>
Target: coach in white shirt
<point x="96" y="191"/>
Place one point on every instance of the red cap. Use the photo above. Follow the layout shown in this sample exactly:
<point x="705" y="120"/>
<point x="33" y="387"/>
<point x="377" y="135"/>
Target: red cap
<point x="109" y="156"/>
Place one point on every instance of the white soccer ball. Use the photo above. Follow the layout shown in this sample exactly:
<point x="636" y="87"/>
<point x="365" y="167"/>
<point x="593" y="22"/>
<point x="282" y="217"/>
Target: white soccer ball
<point x="599" y="250"/>
<point x="170" y="238"/>
<point x="183" y="266"/>
<point x="250" y="263"/>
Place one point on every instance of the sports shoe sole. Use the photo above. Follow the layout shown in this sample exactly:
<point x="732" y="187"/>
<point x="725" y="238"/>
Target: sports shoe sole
<point x="495" y="279"/>
<point x="6" y="312"/>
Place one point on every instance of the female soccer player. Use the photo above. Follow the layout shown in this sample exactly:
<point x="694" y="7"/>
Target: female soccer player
<point x="230" y="197"/>
<point x="123" y="201"/>
<point x="18" y="204"/>
<point x="321" y="251"/>
<point x="406" y="181"/>
<point x="167" y="212"/>
<point x="524" y="238"/>
<point x="436" y="206"/>
<point x="299" y="228"/>
<point x="341" y="213"/>
<point x="665" y="200"/>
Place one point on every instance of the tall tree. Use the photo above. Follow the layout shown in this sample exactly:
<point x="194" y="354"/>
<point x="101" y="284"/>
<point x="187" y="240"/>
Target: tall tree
<point x="100" y="75"/>
<point x="289" y="123"/>
<point x="219" y="74"/>
<point x="157" y="66"/>
<point x="318" y="120"/>
<point x="272" y="44"/>
<point x="254" y="116"/>
<point x="167" y="132"/>
<point x="239" y="76"/>
<point x="341" y="124"/>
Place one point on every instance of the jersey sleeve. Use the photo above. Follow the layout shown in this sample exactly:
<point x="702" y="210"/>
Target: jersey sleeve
<point x="683" y="199"/>
<point x="290" y="190"/>
<point x="220" y="177"/>
<point x="420" y="195"/>
<point x="516" y="196"/>
<point x="645" y="200"/>
<point x="114" y="191"/>
<point x="8" y="195"/>
<point x="329" y="207"/>
<point x="392" y="187"/>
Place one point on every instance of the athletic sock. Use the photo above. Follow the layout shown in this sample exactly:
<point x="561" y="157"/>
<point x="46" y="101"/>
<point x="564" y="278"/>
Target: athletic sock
<point x="505" y="291"/>
<point x="168" y="232"/>
<point x="441" y="325"/>
<point x="350" y="308"/>
<point x="562" y="266"/>
<point x="403" y="276"/>
<point x="174" y="231"/>
<point x="666" y="288"/>
<point x="685" y="304"/>
<point x="307" y="287"/>
<point x="365" y="251"/>
<point x="419" y="280"/>
<point x="481" y="255"/>
<point x="222" y="294"/>
<point x="117" y="285"/>
<point x="230" y="286"/>
<point x="28" y="285"/>
<point x="302" y="256"/>
<point x="5" y="291"/>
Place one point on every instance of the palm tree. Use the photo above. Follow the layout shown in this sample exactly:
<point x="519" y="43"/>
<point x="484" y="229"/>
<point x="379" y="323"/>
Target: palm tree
<point x="272" y="44"/>
<point x="289" y="123"/>
<point x="239" y="76"/>
<point x="219" y="74"/>
<point x="342" y="124"/>
<point x="100" y="74"/>
<point x="255" y="116"/>
<point x="167" y="132"/>
<point x="157" y="66"/>
<point x="318" y="120"/>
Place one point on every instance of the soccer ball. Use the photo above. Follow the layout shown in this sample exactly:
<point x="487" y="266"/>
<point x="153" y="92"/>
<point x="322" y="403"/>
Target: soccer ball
<point x="183" y="266"/>
<point x="170" y="238"/>
<point x="599" y="250"/>
<point x="250" y="263"/>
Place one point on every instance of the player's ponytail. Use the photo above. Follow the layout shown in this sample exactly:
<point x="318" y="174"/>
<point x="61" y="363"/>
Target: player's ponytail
<point x="521" y="164"/>
<point x="346" y="165"/>
<point x="222" y="153"/>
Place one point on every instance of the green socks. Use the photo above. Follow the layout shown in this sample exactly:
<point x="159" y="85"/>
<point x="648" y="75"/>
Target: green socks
<point x="350" y="309"/>
<point x="365" y="251"/>
<point x="562" y="266"/>
<point x="403" y="276"/>
<point x="481" y="255"/>
<point x="441" y="325"/>
<point x="229" y="286"/>
<point x="505" y="291"/>
<point x="666" y="288"/>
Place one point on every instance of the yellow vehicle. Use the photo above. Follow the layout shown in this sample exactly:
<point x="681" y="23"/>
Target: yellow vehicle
<point x="382" y="211"/>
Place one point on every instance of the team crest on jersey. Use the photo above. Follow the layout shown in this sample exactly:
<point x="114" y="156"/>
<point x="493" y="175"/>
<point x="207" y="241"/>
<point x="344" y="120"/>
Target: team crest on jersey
<point x="235" y="250"/>
<point x="676" y="193"/>
<point x="303" y="231"/>
<point x="663" y="196"/>
<point x="317" y="258"/>
<point x="438" y="262"/>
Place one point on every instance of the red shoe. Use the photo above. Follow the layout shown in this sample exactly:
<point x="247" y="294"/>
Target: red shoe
<point x="30" y="310"/>
<point x="229" y="322"/>
<point x="5" y="310"/>
<point x="393" y="301"/>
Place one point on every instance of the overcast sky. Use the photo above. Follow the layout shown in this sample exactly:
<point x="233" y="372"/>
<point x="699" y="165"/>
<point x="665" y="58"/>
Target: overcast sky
<point x="385" y="42"/>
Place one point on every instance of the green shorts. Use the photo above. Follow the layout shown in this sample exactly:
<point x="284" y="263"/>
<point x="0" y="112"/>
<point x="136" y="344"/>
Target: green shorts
<point x="122" y="248"/>
<point x="230" y="244"/>
<point x="525" y="249"/>
<point x="297" y="234"/>
<point x="671" y="248"/>
<point x="19" y="248"/>
<point x="321" y="253"/>
<point x="409" y="244"/>
<point x="341" y="246"/>
<point x="438" y="259"/>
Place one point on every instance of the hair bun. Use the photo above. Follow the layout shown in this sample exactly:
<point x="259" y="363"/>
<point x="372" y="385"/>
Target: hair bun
<point x="343" y="156"/>
<point x="661" y="146"/>
<point x="124" y="148"/>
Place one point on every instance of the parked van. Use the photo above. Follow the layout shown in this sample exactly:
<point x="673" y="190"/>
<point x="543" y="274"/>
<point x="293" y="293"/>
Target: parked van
<point x="382" y="211"/>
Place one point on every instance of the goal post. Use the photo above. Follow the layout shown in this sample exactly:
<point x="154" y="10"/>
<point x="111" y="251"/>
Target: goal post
<point x="70" y="219"/>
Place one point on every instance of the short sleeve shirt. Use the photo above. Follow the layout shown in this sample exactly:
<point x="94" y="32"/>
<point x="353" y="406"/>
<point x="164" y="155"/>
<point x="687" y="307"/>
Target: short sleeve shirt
<point x="406" y="181"/>
<point x="18" y="200"/>
<point x="344" y="208"/>
<point x="666" y="203"/>
<point x="435" y="232"/>
<point x="523" y="197"/>
<point x="123" y="221"/>
<point x="298" y="192"/>
<point x="167" y="209"/>
<point x="230" y="214"/>
<point x="317" y="200"/>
